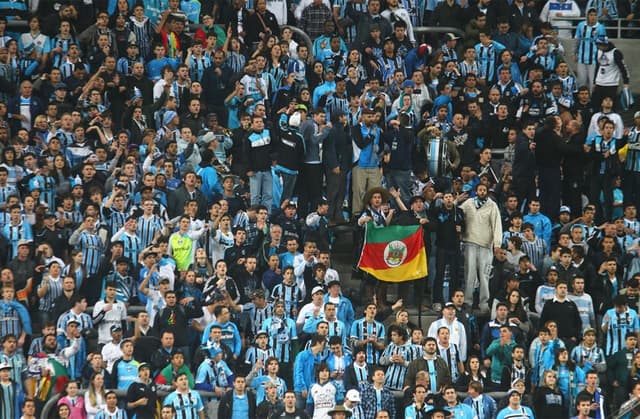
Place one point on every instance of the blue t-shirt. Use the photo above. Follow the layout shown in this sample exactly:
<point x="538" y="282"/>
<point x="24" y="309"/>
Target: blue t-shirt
<point x="240" y="407"/>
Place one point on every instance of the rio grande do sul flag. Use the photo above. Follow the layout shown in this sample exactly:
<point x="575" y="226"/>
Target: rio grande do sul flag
<point x="394" y="254"/>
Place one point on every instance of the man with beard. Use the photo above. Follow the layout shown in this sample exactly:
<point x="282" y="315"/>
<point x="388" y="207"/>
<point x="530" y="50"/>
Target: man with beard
<point x="482" y="234"/>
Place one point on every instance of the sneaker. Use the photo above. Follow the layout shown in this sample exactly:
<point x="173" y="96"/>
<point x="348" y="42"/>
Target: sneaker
<point x="437" y="307"/>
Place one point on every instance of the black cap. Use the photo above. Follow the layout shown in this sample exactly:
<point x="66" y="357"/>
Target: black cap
<point x="121" y="260"/>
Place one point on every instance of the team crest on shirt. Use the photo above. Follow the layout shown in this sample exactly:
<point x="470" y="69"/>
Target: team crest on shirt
<point x="395" y="253"/>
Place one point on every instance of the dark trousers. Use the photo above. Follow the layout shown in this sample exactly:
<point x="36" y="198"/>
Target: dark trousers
<point x="524" y="188"/>
<point x="311" y="187"/>
<point x="632" y="187"/>
<point x="572" y="195"/>
<point x="602" y="184"/>
<point x="336" y="188"/>
<point x="600" y="92"/>
<point x="548" y="179"/>
<point x="446" y="257"/>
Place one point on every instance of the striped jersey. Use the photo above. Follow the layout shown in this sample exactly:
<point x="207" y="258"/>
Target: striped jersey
<point x="187" y="405"/>
<point x="258" y="384"/>
<point x="17" y="362"/>
<point x="148" y="228"/>
<point x="487" y="58"/>
<point x="117" y="414"/>
<point x="361" y="329"/>
<point x="586" y="36"/>
<point x="92" y="249"/>
<point x="85" y="320"/>
<point x="281" y="332"/>
<point x="451" y="355"/>
<point x="254" y="354"/>
<point x="394" y="376"/>
<point x="536" y="250"/>
<point x="54" y="291"/>
<point x="11" y="317"/>
<point x="619" y="325"/>
<point x="257" y="315"/>
<point x="15" y="233"/>
<point x="290" y="294"/>
<point x="213" y="373"/>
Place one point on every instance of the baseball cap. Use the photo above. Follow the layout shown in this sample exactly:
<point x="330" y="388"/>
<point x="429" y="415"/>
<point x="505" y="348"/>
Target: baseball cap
<point x="450" y="36"/>
<point x="5" y="366"/>
<point x="449" y="305"/>
<point x="317" y="290"/>
<point x="636" y="115"/>
<point x="353" y="396"/>
<point x="589" y="330"/>
<point x="116" y="327"/>
<point x="24" y="242"/>
<point x="144" y="365"/>
<point x="73" y="320"/>
<point x="565" y="208"/>
<point x="512" y="391"/>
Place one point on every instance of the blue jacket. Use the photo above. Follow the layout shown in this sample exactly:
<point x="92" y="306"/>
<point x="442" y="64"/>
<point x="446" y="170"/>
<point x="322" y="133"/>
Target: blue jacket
<point x="489" y="406"/>
<point x="304" y="370"/>
<point x="230" y="336"/>
<point x="344" y="312"/>
<point x="541" y="226"/>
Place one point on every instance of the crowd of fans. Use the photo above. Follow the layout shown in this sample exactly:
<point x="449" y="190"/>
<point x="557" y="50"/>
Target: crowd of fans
<point x="174" y="177"/>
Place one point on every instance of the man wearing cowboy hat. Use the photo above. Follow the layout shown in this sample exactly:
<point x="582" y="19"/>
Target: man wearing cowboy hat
<point x="339" y="412"/>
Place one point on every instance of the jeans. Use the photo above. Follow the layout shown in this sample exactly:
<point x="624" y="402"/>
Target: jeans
<point x="335" y="194"/>
<point x="288" y="185"/>
<point x="261" y="186"/>
<point x="445" y="257"/>
<point x="477" y="261"/>
<point x="401" y="179"/>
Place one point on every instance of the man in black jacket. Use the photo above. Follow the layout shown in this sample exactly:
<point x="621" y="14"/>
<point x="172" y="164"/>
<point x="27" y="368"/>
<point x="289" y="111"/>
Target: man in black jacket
<point x="239" y="395"/>
<point x="565" y="313"/>
<point x="336" y="156"/>
<point x="549" y="148"/>
<point x="448" y="222"/>
<point x="524" y="163"/>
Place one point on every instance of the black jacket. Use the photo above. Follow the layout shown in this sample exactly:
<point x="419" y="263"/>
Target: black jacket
<point x="337" y="149"/>
<point x="225" y="410"/>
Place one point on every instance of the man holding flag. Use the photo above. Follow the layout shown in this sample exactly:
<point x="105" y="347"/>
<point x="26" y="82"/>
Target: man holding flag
<point x="482" y="236"/>
<point x="390" y="254"/>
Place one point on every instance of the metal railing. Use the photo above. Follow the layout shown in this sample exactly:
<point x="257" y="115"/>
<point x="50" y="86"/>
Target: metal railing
<point x="53" y="401"/>
<point x="609" y="24"/>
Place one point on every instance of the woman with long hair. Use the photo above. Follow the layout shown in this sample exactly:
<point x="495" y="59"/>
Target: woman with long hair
<point x="322" y="394"/>
<point x="95" y="399"/>
<point x="61" y="173"/>
<point x="315" y="77"/>
<point x="548" y="400"/>
<point x="16" y="172"/>
<point x="275" y="65"/>
<point x="571" y="379"/>
<point x="517" y="312"/>
<point x="219" y="282"/>
<point x="73" y="400"/>
<point x="76" y="269"/>
<point x="473" y="372"/>
<point x="304" y="97"/>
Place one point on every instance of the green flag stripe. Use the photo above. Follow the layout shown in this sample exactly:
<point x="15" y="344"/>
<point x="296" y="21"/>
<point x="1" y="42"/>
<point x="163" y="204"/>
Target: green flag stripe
<point x="388" y="234"/>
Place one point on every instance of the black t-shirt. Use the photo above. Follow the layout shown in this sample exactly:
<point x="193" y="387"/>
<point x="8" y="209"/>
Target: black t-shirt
<point x="138" y="390"/>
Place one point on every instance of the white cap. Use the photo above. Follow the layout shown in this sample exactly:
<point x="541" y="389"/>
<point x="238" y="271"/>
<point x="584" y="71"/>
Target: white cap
<point x="5" y="366"/>
<point x="317" y="289"/>
<point x="353" y="396"/>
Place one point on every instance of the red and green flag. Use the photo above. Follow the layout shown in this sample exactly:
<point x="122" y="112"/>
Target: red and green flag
<point x="394" y="253"/>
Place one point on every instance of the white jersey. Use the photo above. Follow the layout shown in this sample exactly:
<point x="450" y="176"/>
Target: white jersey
<point x="105" y="319"/>
<point x="324" y="399"/>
